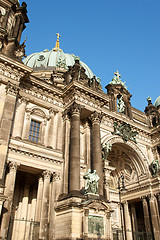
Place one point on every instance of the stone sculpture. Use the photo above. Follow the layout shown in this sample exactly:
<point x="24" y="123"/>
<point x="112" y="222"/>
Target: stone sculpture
<point x="106" y="147"/>
<point x="91" y="184"/>
<point x="121" y="105"/>
<point x="124" y="130"/>
<point x="154" y="167"/>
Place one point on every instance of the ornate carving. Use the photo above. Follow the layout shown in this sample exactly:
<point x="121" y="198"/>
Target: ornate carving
<point x="20" y="50"/>
<point x="116" y="80"/>
<point x="91" y="185"/>
<point x="96" y="117"/>
<point x="75" y="108"/>
<point x="12" y="89"/>
<point x="95" y="83"/>
<point x="124" y="130"/>
<point x="13" y="166"/>
<point x="46" y="174"/>
<point x="106" y="147"/>
<point x="56" y="176"/>
<point x="154" y="167"/>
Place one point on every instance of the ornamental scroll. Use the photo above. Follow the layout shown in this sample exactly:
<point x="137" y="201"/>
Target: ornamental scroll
<point x="124" y="130"/>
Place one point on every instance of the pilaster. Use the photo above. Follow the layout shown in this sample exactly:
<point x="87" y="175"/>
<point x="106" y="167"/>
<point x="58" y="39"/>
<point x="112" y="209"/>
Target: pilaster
<point x="9" y="191"/>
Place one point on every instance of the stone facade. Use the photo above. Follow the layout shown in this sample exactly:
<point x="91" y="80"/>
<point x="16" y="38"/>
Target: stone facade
<point x="57" y="123"/>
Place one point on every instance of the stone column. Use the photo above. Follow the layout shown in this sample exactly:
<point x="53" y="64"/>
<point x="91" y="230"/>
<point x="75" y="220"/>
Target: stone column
<point x="127" y="219"/>
<point x="38" y="207"/>
<point x="134" y="219"/>
<point x="19" y="119"/>
<point x="147" y="222"/>
<point x="85" y="224"/>
<point x="56" y="177"/>
<point x="24" y="211"/>
<point x="45" y="206"/>
<point x="154" y="217"/>
<point x="9" y="191"/>
<point x="65" y="147"/>
<point x="96" y="149"/>
<point x="74" y="163"/>
<point x="87" y="154"/>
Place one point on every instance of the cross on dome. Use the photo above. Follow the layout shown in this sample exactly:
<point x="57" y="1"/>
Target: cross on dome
<point x="57" y="48"/>
<point x="117" y="74"/>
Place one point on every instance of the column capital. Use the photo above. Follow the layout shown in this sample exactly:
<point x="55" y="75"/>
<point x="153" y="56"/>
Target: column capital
<point x="12" y="89"/>
<point x="65" y="115"/>
<point x="86" y="212"/>
<point x="144" y="199"/>
<point x="13" y="166"/>
<point x="46" y="174"/>
<point x="96" y="117"/>
<point x="75" y="108"/>
<point x="151" y="197"/>
<point x="24" y="100"/>
<point x="52" y="111"/>
<point x="56" y="176"/>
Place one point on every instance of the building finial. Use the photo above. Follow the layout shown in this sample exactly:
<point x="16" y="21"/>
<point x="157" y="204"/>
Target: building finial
<point x="117" y="74"/>
<point x="57" y="48"/>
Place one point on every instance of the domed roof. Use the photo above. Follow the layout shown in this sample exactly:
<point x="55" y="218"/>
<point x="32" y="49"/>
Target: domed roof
<point x="157" y="102"/>
<point x="54" y="58"/>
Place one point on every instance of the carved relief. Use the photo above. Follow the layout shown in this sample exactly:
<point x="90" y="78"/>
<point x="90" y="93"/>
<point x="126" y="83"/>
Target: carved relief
<point x="12" y="89"/>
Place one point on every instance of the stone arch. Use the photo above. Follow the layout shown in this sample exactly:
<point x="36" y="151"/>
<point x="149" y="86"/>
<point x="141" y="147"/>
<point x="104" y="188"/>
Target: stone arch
<point x="135" y="163"/>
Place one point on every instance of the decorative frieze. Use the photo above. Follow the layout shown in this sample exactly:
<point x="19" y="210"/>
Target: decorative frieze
<point x="34" y="155"/>
<point x="12" y="89"/>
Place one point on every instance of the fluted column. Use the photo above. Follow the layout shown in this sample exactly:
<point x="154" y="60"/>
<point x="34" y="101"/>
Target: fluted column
<point x="74" y="163"/>
<point x="134" y="219"/>
<point x="9" y="191"/>
<point x="19" y="119"/>
<point x="154" y="217"/>
<point x="45" y="206"/>
<point x="96" y="149"/>
<point x="127" y="218"/>
<point x="147" y="222"/>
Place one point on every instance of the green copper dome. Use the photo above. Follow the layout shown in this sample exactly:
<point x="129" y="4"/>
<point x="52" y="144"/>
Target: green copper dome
<point x="157" y="102"/>
<point x="46" y="60"/>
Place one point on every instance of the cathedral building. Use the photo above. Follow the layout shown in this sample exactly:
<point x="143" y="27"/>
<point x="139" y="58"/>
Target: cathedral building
<point x="76" y="162"/>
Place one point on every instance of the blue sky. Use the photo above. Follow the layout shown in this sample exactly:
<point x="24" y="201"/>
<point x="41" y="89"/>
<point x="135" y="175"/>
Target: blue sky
<point x="107" y="35"/>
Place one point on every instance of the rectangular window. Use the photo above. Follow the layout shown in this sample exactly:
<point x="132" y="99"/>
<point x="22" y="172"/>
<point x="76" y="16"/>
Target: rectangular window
<point x="34" y="131"/>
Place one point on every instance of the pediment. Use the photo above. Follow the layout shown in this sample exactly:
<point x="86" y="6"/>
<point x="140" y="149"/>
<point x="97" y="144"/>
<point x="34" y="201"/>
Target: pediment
<point x="96" y="205"/>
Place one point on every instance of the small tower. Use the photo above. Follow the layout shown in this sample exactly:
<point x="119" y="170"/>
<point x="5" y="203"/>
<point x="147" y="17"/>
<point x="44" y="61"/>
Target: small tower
<point x="12" y="23"/>
<point x="118" y="92"/>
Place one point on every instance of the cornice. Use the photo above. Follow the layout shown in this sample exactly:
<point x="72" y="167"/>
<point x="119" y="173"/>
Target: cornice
<point x="15" y="64"/>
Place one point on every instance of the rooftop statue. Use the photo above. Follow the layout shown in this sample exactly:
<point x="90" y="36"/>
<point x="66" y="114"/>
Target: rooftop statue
<point x="116" y="80"/>
<point x="91" y="184"/>
<point x="154" y="167"/>
<point x="121" y="105"/>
